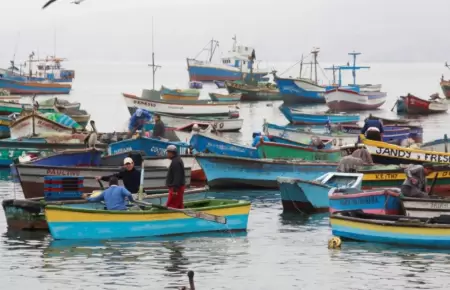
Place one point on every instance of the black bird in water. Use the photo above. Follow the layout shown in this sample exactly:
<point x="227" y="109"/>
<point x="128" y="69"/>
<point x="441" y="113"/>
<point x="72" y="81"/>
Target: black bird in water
<point x="51" y="1"/>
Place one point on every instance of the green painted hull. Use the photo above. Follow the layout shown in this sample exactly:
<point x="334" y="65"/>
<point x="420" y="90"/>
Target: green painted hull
<point x="275" y="150"/>
<point x="7" y="156"/>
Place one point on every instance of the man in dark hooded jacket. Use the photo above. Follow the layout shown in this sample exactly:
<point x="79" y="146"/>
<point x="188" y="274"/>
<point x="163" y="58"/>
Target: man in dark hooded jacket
<point x="175" y="179"/>
<point x="416" y="181"/>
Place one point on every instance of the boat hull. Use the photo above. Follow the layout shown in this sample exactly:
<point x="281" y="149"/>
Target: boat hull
<point x="23" y="126"/>
<point x="188" y="160"/>
<point x="295" y="116"/>
<point x="17" y="87"/>
<point x="205" y="109"/>
<point x="445" y="86"/>
<point x="300" y="92"/>
<point x="425" y="207"/>
<point x="208" y="72"/>
<point x="32" y="177"/>
<point x="253" y="93"/>
<point x="151" y="147"/>
<point x="341" y="100"/>
<point x="376" y="202"/>
<point x="278" y="150"/>
<point x="233" y="172"/>
<point x="381" y="231"/>
<point x="209" y="143"/>
<point x="415" y="105"/>
<point x="67" y="224"/>
<point x="235" y="97"/>
<point x="187" y="95"/>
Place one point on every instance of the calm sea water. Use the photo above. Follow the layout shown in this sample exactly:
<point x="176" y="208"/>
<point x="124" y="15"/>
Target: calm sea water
<point x="278" y="251"/>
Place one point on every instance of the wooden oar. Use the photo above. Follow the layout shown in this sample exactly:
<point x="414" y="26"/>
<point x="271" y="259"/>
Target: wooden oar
<point x="432" y="184"/>
<point x="188" y="212"/>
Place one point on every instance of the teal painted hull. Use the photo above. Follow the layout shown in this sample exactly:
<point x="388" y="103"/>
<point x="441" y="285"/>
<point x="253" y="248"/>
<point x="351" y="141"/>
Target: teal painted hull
<point x="135" y="229"/>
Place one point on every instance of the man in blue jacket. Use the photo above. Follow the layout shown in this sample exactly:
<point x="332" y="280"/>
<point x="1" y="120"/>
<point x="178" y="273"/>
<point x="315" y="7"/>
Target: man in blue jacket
<point x="114" y="197"/>
<point x="373" y="129"/>
<point x="138" y="120"/>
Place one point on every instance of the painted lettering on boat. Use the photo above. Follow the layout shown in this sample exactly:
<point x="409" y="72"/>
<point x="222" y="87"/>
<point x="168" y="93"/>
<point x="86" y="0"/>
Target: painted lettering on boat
<point x="121" y="150"/>
<point x="386" y="176"/>
<point x="48" y="125"/>
<point x="63" y="172"/>
<point x="439" y="205"/>
<point x="148" y="104"/>
<point x="441" y="174"/>
<point x="22" y="125"/>
<point x="158" y="151"/>
<point x="393" y="152"/>
<point x="224" y="147"/>
<point x="372" y="199"/>
<point x="437" y="158"/>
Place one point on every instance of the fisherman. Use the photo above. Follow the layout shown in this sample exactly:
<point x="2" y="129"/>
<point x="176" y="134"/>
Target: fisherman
<point x="373" y="128"/>
<point x="257" y="137"/>
<point x="138" y="120"/>
<point x="416" y="181"/>
<point x="130" y="176"/>
<point x="175" y="179"/>
<point x="351" y="163"/>
<point x="114" y="197"/>
<point x="159" y="129"/>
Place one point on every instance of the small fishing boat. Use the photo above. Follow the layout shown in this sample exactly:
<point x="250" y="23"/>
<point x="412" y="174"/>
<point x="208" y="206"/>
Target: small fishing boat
<point x="9" y="107"/>
<point x="235" y="97"/>
<point x="313" y="196"/>
<point x="304" y="135"/>
<point x="195" y="85"/>
<point x="235" y="172"/>
<point x="253" y="93"/>
<point x="54" y="104"/>
<point x="81" y="157"/>
<point x="221" y="124"/>
<point x="297" y="117"/>
<point x="151" y="146"/>
<point x="28" y="214"/>
<point x="177" y="94"/>
<point x="104" y="224"/>
<point x="307" y="153"/>
<point x="192" y="109"/>
<point x="392" y="134"/>
<point x="391" y="229"/>
<point x="34" y="123"/>
<point x="385" y="153"/>
<point x="431" y="207"/>
<point x="220" y="84"/>
<point x="31" y="176"/>
<point x="210" y="143"/>
<point x="415" y="105"/>
<point x="382" y="201"/>
<point x="445" y="86"/>
<point x="342" y="99"/>
<point x="26" y="87"/>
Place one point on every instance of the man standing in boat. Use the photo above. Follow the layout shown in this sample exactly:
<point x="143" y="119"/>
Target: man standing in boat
<point x="175" y="179"/>
<point x="373" y="129"/>
<point x="416" y="181"/>
<point x="138" y="120"/>
<point x="159" y="129"/>
<point x="130" y="176"/>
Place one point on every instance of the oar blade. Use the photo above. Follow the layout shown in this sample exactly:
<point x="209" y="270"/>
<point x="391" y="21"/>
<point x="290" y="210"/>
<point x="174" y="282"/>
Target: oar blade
<point x="205" y="216"/>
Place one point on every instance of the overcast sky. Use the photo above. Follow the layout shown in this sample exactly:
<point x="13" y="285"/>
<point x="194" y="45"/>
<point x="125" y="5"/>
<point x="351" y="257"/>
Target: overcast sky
<point x="113" y="30"/>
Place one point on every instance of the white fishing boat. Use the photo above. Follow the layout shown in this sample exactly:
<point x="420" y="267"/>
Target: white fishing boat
<point x="197" y="108"/>
<point x="220" y="124"/>
<point x="342" y="100"/>
<point x="426" y="207"/>
<point x="35" y="124"/>
<point x="188" y="160"/>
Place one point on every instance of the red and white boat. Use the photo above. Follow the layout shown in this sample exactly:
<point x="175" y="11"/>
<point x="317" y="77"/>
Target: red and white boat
<point x="415" y="105"/>
<point x="367" y="98"/>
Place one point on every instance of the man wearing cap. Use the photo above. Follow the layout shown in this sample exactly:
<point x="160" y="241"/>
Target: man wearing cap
<point x="175" y="179"/>
<point x="138" y="120"/>
<point x="130" y="176"/>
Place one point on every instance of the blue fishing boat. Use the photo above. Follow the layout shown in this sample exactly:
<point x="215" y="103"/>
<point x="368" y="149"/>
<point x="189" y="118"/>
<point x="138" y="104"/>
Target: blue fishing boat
<point x="82" y="157"/>
<point x="235" y="172"/>
<point x="32" y="87"/>
<point x="312" y="196"/>
<point x="209" y="143"/>
<point x="327" y="143"/>
<point x="381" y="201"/>
<point x="392" y="229"/>
<point x="151" y="147"/>
<point x="295" y="116"/>
<point x="392" y="134"/>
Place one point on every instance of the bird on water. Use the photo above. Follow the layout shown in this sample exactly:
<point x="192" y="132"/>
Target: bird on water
<point x="52" y="1"/>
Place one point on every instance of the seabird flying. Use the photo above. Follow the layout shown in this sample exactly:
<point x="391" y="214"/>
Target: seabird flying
<point x="51" y="1"/>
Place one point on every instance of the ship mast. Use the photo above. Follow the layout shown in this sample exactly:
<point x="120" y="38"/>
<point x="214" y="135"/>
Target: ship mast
<point x="153" y="65"/>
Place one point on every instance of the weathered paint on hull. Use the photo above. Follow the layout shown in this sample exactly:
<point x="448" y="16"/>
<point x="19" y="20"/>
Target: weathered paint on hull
<point x="34" y="88"/>
<point x="274" y="150"/>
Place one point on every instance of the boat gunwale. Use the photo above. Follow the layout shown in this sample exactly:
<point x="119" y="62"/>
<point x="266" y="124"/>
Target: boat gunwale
<point x="372" y="192"/>
<point x="228" y="104"/>
<point x="231" y="204"/>
<point x="309" y="149"/>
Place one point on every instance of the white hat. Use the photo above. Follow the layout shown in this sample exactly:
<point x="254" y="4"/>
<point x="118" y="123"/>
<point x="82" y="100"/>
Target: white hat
<point x="127" y="160"/>
<point x="172" y="148"/>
